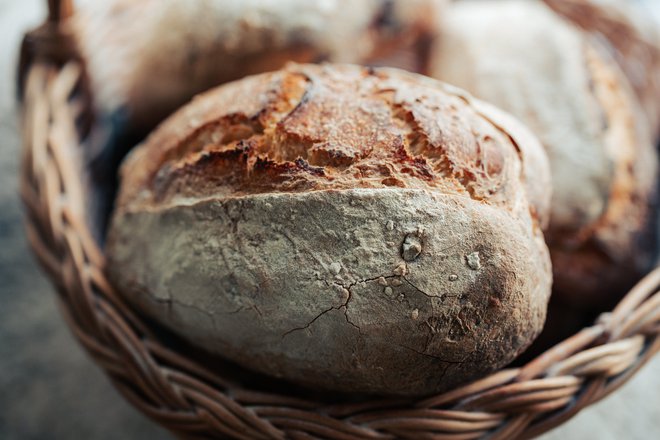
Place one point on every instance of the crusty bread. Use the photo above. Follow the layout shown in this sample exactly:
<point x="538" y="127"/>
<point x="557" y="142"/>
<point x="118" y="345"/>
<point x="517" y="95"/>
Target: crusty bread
<point x="353" y="229"/>
<point x="572" y="94"/>
<point x="147" y="57"/>
<point x="634" y="40"/>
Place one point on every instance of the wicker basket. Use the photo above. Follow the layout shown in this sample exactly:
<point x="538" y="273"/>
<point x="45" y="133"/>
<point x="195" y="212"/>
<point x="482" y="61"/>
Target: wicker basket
<point x="164" y="381"/>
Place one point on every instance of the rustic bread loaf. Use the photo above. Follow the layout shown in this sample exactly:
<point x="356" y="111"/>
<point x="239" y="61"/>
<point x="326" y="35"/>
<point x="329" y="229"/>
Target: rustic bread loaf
<point x="570" y="92"/>
<point x="634" y="40"/>
<point x="147" y="57"/>
<point x="353" y="229"/>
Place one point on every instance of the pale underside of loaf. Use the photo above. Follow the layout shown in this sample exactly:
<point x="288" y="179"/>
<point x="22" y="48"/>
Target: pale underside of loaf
<point x="388" y="291"/>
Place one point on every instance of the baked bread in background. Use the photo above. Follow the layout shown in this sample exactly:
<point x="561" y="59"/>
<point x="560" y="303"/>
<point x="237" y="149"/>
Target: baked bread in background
<point x="352" y="229"/>
<point x="145" y="58"/>
<point x="634" y="39"/>
<point x="567" y="88"/>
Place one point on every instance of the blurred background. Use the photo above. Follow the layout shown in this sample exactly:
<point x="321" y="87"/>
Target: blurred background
<point x="50" y="389"/>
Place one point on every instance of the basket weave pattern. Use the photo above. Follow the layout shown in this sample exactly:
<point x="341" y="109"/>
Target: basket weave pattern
<point x="195" y="403"/>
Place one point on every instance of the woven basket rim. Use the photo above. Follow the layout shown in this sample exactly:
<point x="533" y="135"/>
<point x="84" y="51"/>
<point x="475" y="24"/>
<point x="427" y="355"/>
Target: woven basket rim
<point x="192" y="402"/>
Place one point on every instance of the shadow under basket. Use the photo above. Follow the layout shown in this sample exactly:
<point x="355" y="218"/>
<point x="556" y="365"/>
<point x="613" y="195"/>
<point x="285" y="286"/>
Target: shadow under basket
<point x="168" y="383"/>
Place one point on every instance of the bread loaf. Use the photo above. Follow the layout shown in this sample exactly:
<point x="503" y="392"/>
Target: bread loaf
<point x="147" y="57"/>
<point x="345" y="228"/>
<point x="571" y="93"/>
<point x="634" y="40"/>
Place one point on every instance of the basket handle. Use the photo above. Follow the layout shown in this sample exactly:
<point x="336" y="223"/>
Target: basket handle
<point x="59" y="10"/>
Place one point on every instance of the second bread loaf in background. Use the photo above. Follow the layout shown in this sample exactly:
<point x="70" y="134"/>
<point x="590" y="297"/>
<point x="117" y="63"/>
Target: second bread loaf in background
<point x="147" y="57"/>
<point x="523" y="57"/>
<point x="633" y="37"/>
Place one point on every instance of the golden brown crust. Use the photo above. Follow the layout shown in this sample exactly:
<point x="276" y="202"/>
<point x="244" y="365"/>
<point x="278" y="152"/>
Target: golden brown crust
<point x="269" y="133"/>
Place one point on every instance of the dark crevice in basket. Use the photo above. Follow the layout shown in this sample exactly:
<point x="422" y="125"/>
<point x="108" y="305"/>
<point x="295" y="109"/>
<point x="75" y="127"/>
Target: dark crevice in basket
<point x="107" y="154"/>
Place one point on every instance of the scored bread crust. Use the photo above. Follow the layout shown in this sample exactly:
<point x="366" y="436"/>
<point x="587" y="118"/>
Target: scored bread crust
<point x="353" y="229"/>
<point x="572" y="94"/>
<point x="271" y="135"/>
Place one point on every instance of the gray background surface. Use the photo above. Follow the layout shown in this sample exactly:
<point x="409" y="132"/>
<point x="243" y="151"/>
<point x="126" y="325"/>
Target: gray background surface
<point x="49" y="389"/>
